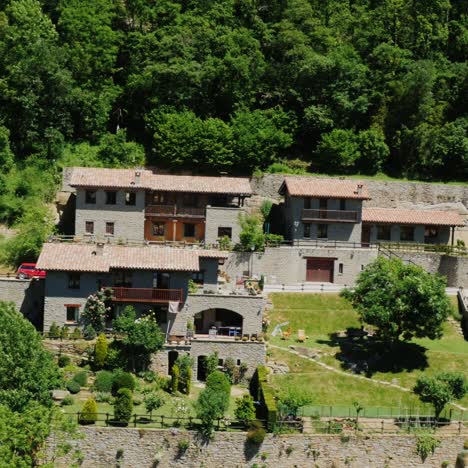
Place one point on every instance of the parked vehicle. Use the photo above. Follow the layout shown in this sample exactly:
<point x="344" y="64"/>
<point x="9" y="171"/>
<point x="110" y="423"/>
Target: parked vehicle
<point x="28" y="271"/>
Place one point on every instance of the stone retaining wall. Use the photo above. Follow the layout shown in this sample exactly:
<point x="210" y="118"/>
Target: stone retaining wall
<point x="151" y="448"/>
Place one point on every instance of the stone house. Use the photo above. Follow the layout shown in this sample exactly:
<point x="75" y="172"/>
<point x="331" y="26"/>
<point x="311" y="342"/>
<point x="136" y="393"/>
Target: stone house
<point x="153" y="278"/>
<point x="137" y="205"/>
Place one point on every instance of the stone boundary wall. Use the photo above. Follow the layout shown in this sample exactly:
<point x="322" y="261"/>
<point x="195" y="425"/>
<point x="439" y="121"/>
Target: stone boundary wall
<point x="27" y="295"/>
<point x="151" y="448"/>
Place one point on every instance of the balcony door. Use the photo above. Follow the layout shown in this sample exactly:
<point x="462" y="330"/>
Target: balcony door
<point x="161" y="280"/>
<point x="323" y="205"/>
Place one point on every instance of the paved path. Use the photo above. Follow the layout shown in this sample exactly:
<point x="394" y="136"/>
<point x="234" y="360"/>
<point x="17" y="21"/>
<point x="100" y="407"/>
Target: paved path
<point x="347" y="374"/>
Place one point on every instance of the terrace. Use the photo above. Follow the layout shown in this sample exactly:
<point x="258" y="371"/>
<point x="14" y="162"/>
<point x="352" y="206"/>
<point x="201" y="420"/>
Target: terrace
<point x="344" y="216"/>
<point x="147" y="295"/>
<point x="174" y="210"/>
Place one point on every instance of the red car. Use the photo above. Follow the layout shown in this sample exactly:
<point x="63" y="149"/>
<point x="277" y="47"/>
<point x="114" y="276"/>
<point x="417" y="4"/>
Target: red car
<point x="28" y="271"/>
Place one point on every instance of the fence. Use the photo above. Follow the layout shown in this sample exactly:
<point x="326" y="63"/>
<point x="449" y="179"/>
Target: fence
<point x="423" y="411"/>
<point x="434" y="248"/>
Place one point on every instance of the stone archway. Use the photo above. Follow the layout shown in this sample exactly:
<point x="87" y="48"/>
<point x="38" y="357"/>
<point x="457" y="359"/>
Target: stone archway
<point x="218" y="321"/>
<point x="171" y="359"/>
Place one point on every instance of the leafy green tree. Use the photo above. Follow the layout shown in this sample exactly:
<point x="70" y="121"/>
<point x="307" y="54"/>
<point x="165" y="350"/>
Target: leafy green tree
<point x="440" y="389"/>
<point x="123" y="405"/>
<point x="373" y="151"/>
<point x="141" y="336"/>
<point x="184" y="364"/>
<point x="339" y="149"/>
<point x="100" y="351"/>
<point x="96" y="309"/>
<point x="402" y="300"/>
<point x="116" y="151"/>
<point x="251" y="236"/>
<point x="217" y="381"/>
<point x="245" y="409"/>
<point x="210" y="363"/>
<point x="292" y="399"/>
<point x="153" y="401"/>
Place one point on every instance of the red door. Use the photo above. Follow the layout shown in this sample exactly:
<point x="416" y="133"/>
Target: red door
<point x="320" y="270"/>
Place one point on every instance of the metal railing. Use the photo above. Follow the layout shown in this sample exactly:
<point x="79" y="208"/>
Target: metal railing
<point x="431" y="248"/>
<point x="324" y="243"/>
<point x="330" y="215"/>
<point x="174" y="210"/>
<point x="120" y="294"/>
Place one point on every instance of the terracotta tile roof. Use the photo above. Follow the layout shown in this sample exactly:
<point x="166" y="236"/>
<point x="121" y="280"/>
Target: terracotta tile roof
<point x="298" y="186"/>
<point x="405" y="216"/>
<point x="126" y="178"/>
<point x="91" y="258"/>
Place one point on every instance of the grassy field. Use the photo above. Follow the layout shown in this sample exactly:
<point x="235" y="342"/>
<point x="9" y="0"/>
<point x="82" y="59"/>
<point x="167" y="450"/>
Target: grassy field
<point x="321" y="316"/>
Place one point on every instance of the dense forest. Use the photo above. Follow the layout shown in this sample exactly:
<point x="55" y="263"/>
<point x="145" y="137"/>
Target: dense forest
<point x="335" y="86"/>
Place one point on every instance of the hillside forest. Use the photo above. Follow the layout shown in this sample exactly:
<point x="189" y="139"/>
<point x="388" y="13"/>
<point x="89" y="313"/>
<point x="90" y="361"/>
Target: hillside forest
<point x="236" y="86"/>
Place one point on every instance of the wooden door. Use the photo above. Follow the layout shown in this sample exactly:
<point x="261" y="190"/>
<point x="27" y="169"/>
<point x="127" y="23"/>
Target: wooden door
<point x="320" y="270"/>
<point x="365" y="236"/>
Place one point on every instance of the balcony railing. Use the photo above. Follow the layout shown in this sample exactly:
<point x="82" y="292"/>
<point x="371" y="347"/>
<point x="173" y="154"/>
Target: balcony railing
<point x="147" y="295"/>
<point x="174" y="210"/>
<point x="330" y="215"/>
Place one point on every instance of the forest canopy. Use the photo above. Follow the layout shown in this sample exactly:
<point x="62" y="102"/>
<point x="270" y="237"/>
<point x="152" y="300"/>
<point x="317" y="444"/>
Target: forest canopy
<point x="347" y="86"/>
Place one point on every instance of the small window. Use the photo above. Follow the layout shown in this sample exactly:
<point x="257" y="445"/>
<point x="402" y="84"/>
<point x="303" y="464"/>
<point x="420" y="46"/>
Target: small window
<point x="73" y="313"/>
<point x="342" y="204"/>
<point x="130" y="198"/>
<point x="220" y="362"/>
<point x="238" y="362"/>
<point x="189" y="230"/>
<point x="123" y="278"/>
<point x="407" y="233"/>
<point x="340" y="268"/>
<point x="307" y="203"/>
<point x="323" y="203"/>
<point x="159" y="198"/>
<point x="384" y="232"/>
<point x="322" y="231"/>
<point x="225" y="231"/>
<point x="159" y="229"/>
<point x="362" y="267"/>
<point x="109" y="229"/>
<point x="89" y="227"/>
<point x="198" y="277"/>
<point x="431" y="232"/>
<point x="307" y="230"/>
<point x="111" y="198"/>
<point x="74" y="281"/>
<point x="90" y="197"/>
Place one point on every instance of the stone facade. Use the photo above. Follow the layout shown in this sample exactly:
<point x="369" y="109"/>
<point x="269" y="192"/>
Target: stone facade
<point x="129" y="221"/>
<point x="220" y="217"/>
<point x="146" y="448"/>
<point x="27" y="295"/>
<point x="287" y="265"/>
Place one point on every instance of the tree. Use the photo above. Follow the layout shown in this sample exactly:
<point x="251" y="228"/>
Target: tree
<point x="141" y="336"/>
<point x="184" y="365"/>
<point x="210" y="363"/>
<point x="210" y="406"/>
<point x="251" y="236"/>
<point x="440" y="389"/>
<point x="115" y="151"/>
<point x="123" y="405"/>
<point x="245" y="409"/>
<point x="96" y="309"/>
<point x="88" y="414"/>
<point x="100" y="351"/>
<point x="402" y="300"/>
<point x="218" y="382"/>
<point x="153" y="401"/>
<point x="339" y="149"/>
<point x="292" y="399"/>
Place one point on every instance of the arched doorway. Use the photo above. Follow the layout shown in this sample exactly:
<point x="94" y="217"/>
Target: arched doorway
<point x="221" y="322"/>
<point x="201" y="369"/>
<point x="172" y="358"/>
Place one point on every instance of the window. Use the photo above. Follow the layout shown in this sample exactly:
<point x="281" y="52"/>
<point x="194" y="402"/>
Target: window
<point x="430" y="232"/>
<point x="73" y="281"/>
<point x="307" y="203"/>
<point x="73" y="312"/>
<point x="323" y="203"/>
<point x="342" y="204"/>
<point x="198" y="277"/>
<point x="109" y="229"/>
<point x="384" y="232"/>
<point x="307" y="230"/>
<point x="189" y="230"/>
<point x="159" y="229"/>
<point x="90" y="197"/>
<point x="111" y="198"/>
<point x="340" y="268"/>
<point x="189" y="200"/>
<point x="123" y="278"/>
<point x="89" y="227"/>
<point x="407" y="233"/>
<point x="362" y="267"/>
<point x="159" y="198"/>
<point x="225" y="231"/>
<point x="220" y="362"/>
<point x="238" y="362"/>
<point x="130" y="198"/>
<point x="161" y="280"/>
<point x="322" y="231"/>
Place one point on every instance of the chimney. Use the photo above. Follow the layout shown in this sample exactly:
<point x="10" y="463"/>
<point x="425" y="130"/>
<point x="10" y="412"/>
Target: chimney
<point x="99" y="249"/>
<point x="137" y="177"/>
<point x="359" y="189"/>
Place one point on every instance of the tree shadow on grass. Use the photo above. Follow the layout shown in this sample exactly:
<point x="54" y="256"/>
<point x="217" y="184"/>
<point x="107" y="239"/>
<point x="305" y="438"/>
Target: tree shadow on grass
<point x="368" y="355"/>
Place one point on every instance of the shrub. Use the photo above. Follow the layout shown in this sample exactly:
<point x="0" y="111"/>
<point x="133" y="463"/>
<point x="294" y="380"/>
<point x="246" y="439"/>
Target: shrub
<point x="224" y="243"/>
<point x="81" y="378"/>
<point x="64" y="332"/>
<point x="218" y="381"/>
<point x="88" y="414"/>
<point x="426" y="444"/>
<point x="153" y="401"/>
<point x="292" y="399"/>
<point x="183" y="445"/>
<point x="175" y="378"/>
<point x="256" y="434"/>
<point x="67" y="401"/>
<point x="76" y="334"/>
<point x="73" y="387"/>
<point x="210" y="363"/>
<point x="100" y="351"/>
<point x="123" y="405"/>
<point x="122" y="379"/>
<point x="115" y="356"/>
<point x="89" y="333"/>
<point x="54" y="330"/>
<point x="104" y="397"/>
<point x="63" y="360"/>
<point x="103" y="382"/>
<point x="245" y="409"/>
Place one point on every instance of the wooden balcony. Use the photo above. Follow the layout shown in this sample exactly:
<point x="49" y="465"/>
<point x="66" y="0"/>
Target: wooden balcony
<point x="147" y="295"/>
<point x="341" y="216"/>
<point x="174" y="210"/>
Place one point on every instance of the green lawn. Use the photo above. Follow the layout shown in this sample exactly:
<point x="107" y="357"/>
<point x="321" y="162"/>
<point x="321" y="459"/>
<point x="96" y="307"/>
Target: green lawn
<point x="323" y="314"/>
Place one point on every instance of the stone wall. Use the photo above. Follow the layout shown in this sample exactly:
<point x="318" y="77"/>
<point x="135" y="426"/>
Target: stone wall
<point x="217" y="217"/>
<point x="149" y="448"/>
<point x="27" y="295"/>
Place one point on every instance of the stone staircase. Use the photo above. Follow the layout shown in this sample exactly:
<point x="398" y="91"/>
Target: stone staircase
<point x="456" y="325"/>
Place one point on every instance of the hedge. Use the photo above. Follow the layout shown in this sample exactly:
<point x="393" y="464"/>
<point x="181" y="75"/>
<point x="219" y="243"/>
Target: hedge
<point x="262" y="392"/>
